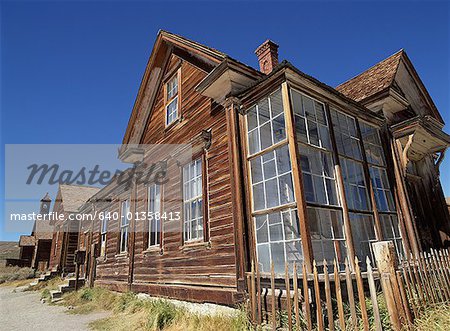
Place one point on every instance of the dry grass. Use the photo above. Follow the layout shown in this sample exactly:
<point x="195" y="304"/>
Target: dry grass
<point x="132" y="313"/>
<point x="12" y="274"/>
<point x="434" y="318"/>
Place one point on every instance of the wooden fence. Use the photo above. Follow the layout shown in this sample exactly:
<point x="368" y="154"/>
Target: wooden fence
<point x="386" y="296"/>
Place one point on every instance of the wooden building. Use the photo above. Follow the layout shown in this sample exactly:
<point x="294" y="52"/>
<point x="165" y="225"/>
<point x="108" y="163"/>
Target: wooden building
<point x="35" y="248"/>
<point x="66" y="230"/>
<point x="283" y="168"/>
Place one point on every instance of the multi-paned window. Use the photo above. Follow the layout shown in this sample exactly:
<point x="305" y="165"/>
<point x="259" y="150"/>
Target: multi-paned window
<point x="272" y="179"/>
<point x="380" y="183"/>
<point x="348" y="144"/>
<point x="154" y="215"/>
<point x="124" y="225"/>
<point x="319" y="180"/>
<point x="103" y="233"/>
<point x="363" y="232"/>
<point x="171" y="98"/>
<point x="278" y="239"/>
<point x="265" y="123"/>
<point x="327" y="234"/>
<point x="193" y="201"/>
<point x="273" y="206"/>
<point x="391" y="231"/>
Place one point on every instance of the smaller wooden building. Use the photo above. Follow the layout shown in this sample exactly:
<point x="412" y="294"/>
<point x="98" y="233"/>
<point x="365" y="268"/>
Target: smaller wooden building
<point x="66" y="230"/>
<point x="35" y="248"/>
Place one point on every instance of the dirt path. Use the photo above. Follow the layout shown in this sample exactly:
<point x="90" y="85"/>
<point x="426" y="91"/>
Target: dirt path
<point x="24" y="311"/>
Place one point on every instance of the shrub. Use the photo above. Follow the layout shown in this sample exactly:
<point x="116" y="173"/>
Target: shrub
<point x="9" y="274"/>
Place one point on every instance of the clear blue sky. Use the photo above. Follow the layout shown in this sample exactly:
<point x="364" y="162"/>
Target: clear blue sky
<point x="70" y="71"/>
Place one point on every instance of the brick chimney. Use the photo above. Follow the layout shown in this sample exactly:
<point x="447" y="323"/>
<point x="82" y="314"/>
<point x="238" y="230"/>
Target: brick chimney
<point x="267" y="55"/>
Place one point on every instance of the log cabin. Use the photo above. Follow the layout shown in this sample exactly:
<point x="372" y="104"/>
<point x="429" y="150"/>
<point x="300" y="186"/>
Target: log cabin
<point x="283" y="168"/>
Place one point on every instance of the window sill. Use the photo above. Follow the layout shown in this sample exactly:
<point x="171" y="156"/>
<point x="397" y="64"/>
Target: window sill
<point x="171" y="125"/>
<point x="123" y="255"/>
<point x="196" y="244"/>
<point x="153" y="250"/>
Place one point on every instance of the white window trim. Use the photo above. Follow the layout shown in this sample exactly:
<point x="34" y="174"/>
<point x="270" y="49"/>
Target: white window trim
<point x="174" y="98"/>
<point x="152" y="220"/>
<point x="186" y="202"/>
<point x="124" y="226"/>
<point x="103" y="233"/>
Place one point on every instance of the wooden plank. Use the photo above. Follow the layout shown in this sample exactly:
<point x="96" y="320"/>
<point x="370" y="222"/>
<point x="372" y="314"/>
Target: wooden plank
<point x="425" y="278"/>
<point x="443" y="280"/>
<point x="306" y="298"/>
<point x="351" y="296"/>
<point x="373" y="297"/>
<point x="258" y="291"/>
<point x="328" y="296"/>
<point x="319" y="313"/>
<point x="288" y="295"/>
<point x="340" y="305"/>
<point x="296" y="296"/>
<point x="253" y="292"/>
<point x="404" y="298"/>
<point x="272" y="287"/>
<point x="410" y="288"/>
<point x="444" y="270"/>
<point x="361" y="297"/>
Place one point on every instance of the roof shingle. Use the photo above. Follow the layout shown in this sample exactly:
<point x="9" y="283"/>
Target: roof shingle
<point x="373" y="80"/>
<point x="74" y="196"/>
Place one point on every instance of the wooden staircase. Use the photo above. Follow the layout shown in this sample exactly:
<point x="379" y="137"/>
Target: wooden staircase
<point x="44" y="277"/>
<point x="56" y="295"/>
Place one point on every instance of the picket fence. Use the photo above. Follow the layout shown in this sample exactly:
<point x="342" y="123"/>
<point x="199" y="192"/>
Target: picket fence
<point x="349" y="298"/>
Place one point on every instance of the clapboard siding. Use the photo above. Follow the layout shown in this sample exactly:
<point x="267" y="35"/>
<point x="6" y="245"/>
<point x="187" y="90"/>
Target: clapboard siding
<point x="198" y="267"/>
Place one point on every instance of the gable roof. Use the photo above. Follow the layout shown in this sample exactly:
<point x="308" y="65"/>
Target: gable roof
<point x="166" y="42"/>
<point x="73" y="196"/>
<point x="26" y="241"/>
<point x="373" y="80"/>
<point x="381" y="77"/>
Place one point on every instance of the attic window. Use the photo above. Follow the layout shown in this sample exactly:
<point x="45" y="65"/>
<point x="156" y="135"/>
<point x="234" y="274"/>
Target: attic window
<point x="171" y="99"/>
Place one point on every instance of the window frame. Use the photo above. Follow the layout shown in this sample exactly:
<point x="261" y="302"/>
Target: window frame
<point x="151" y="221"/>
<point x="201" y="157"/>
<point x="291" y="207"/>
<point x="104" y="233"/>
<point x="124" y="228"/>
<point x="169" y="100"/>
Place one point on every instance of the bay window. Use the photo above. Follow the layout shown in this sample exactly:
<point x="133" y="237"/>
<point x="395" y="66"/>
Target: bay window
<point x="356" y="146"/>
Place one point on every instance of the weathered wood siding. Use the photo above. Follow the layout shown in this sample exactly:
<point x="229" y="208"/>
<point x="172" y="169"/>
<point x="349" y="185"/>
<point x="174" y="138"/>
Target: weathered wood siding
<point x="200" y="272"/>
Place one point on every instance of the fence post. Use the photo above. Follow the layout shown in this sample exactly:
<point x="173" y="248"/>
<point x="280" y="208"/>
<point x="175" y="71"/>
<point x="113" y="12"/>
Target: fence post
<point x="385" y="258"/>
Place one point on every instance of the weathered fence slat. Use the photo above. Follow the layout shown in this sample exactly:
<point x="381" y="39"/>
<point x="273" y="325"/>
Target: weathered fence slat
<point x="340" y="305"/>
<point x="319" y="314"/>
<point x="296" y="296"/>
<point x="351" y="295"/>
<point x="274" y="308"/>
<point x="373" y="297"/>
<point x="288" y="296"/>
<point x="306" y="298"/>
<point x="361" y="297"/>
<point x="328" y="296"/>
